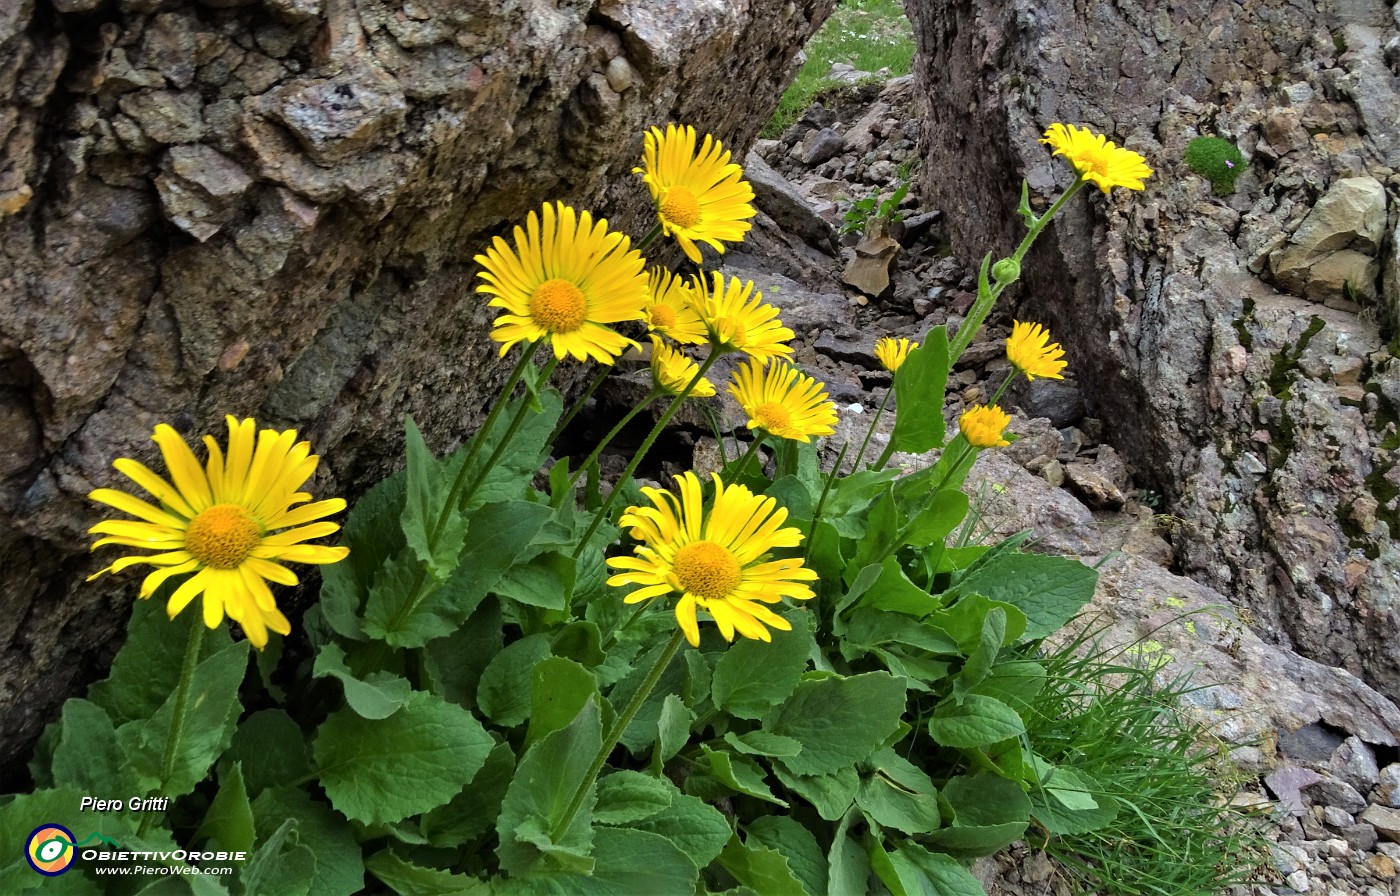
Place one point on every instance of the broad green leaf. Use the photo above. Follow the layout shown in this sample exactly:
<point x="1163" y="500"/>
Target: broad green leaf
<point x="626" y="861"/>
<point x="798" y="846"/>
<point x="86" y="755"/>
<point x="1016" y="683"/>
<point x="518" y="463"/>
<point x="455" y="663"/>
<point x="147" y="668"/>
<point x="429" y="482"/>
<point x="765" y="870"/>
<point x="339" y="867"/>
<point x="920" y="385"/>
<point x="26" y="811"/>
<point x="373" y="533"/>
<point x="870" y="628"/>
<point x="922" y="873"/>
<point x="278" y="867"/>
<point x="979" y="662"/>
<point x="540" y="794"/>
<point x="881" y="532"/>
<point x="975" y="722"/>
<point x="762" y="743"/>
<point x="696" y="828"/>
<point x="560" y="689"/>
<point x="388" y="769"/>
<point x="506" y="685"/>
<point x="847" y="503"/>
<point x="211" y="712"/>
<point x="673" y="728"/>
<point x="378" y="696"/>
<point x="753" y="676"/>
<point x="579" y="641"/>
<point x="408" y="879"/>
<point x="983" y="813"/>
<point x="838" y="721"/>
<point x="740" y="774"/>
<point x="1070" y="801"/>
<point x="831" y="794"/>
<point x="641" y="733"/>
<point x="546" y="580"/>
<point x="848" y="867"/>
<point x="894" y="593"/>
<point x="964" y="619"/>
<point x="1050" y="590"/>
<point x="790" y="492"/>
<point x="938" y="516"/>
<point x="626" y="796"/>
<point x="474" y="810"/>
<point x="229" y="819"/>
<point x="271" y="749"/>
<point x="889" y="805"/>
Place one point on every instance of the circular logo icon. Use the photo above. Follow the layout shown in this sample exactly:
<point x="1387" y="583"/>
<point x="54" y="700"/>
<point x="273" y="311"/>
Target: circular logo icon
<point x="50" y="849"/>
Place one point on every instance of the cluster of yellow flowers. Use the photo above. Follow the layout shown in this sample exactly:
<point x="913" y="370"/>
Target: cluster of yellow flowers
<point x="566" y="280"/>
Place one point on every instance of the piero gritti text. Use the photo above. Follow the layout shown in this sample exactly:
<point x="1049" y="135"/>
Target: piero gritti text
<point x="135" y="804"/>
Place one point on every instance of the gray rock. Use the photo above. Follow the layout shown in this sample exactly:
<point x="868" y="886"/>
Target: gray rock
<point x="1388" y="786"/>
<point x="818" y="146"/>
<point x="1355" y="763"/>
<point x="1336" y="793"/>
<point x="1287" y="784"/>
<point x="1061" y="401"/>
<point x="785" y="205"/>
<point x="1385" y="820"/>
<point x="858" y="350"/>
<point x="166" y="116"/>
<point x="1094" y="487"/>
<point x="1312" y="744"/>
<point x="869" y="270"/>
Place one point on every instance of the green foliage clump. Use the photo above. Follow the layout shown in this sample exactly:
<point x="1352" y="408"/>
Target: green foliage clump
<point x="1217" y="160"/>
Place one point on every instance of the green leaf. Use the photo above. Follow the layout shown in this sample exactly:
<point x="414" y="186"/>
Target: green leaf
<point x="339" y="865"/>
<point x="882" y="529"/>
<point x="752" y="676"/>
<point x="374" y="534"/>
<point x="792" y="493"/>
<point x="278" y="868"/>
<point x="887" y="804"/>
<point x="871" y="628"/>
<point x="428" y="484"/>
<point x="977" y="721"/>
<point x="539" y="796"/>
<point x="211" y="712"/>
<point x="1070" y="801"/>
<point x="673" y="728"/>
<point x="740" y="774"/>
<point x="1050" y="590"/>
<point x="518" y="463"/>
<point x="765" y="870"/>
<point x="761" y="743"/>
<point x="546" y="580"/>
<point x="979" y="662"/>
<point x="848" y="867"/>
<point x="920" y="385"/>
<point x="938" y="517"/>
<point x="696" y="828"/>
<point x="894" y="593"/>
<point x="229" y="819"/>
<point x="507" y="683"/>
<point x="838" y="721"/>
<point x="1016" y="683"/>
<point x="454" y="664"/>
<point x="798" y="846"/>
<point x="626" y="796"/>
<point x="473" y="811"/>
<point x="388" y="769"/>
<point x="580" y="641"/>
<point x="86" y="755"/>
<point x="831" y="794"/>
<point x="627" y="861"/>
<point x="919" y="872"/>
<point x="560" y="689"/>
<point x="850" y="496"/>
<point x="965" y="618"/>
<point x="378" y="696"/>
<point x="408" y="879"/>
<point x="984" y="813"/>
<point x="271" y="749"/>
<point x="641" y="733"/>
<point x="147" y="668"/>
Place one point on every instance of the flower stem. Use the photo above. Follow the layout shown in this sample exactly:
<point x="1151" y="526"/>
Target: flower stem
<point x="612" y="434"/>
<point x="613" y="736"/>
<point x="568" y="418"/>
<point x="889" y="449"/>
<point x="748" y="455"/>
<point x="649" y="238"/>
<point x="821" y="502"/>
<point x="650" y="440"/>
<point x="177" y="717"/>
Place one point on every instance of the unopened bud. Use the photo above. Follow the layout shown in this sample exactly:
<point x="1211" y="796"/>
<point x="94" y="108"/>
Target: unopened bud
<point x="1008" y="270"/>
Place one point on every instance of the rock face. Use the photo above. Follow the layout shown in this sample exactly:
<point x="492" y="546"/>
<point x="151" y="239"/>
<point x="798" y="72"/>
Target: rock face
<point x="271" y="209"/>
<point x="1231" y="345"/>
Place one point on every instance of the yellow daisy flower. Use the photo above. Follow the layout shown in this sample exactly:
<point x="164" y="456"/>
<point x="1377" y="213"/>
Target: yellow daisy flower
<point x="700" y="197"/>
<point x="566" y="277"/>
<point x="983" y="425"/>
<point x="1096" y="158"/>
<point x="217" y="522"/>
<point x="1030" y="351"/>
<point x="673" y="371"/>
<point x="782" y="401"/>
<point x="716" y="562"/>
<point x="737" y="320"/>
<point x="892" y="352"/>
<point x="671" y="310"/>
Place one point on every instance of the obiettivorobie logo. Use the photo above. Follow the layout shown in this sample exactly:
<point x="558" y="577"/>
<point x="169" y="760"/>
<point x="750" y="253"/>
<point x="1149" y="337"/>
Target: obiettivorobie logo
<point x="52" y="848"/>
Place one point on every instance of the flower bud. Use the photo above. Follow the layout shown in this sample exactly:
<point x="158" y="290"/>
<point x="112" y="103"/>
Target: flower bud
<point x="1008" y="270"/>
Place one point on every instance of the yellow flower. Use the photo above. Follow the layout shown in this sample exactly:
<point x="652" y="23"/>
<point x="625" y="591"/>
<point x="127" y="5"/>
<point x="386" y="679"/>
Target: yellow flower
<point x="736" y="318"/>
<point x="716" y="562"/>
<point x="217" y="522"/>
<point x="782" y="401"/>
<point x="700" y="197"/>
<point x="1030" y="351"/>
<point x="982" y="426"/>
<point x="673" y="371"/>
<point x="671" y="308"/>
<point x="1096" y="158"/>
<point x="892" y="352"/>
<point x="563" y="281"/>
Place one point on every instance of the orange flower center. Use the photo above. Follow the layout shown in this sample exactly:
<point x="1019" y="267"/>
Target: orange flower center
<point x="559" y="306"/>
<point x="708" y="570"/>
<point x="772" y="416"/>
<point x="222" y="536"/>
<point x="662" y="316"/>
<point x="680" y="207"/>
